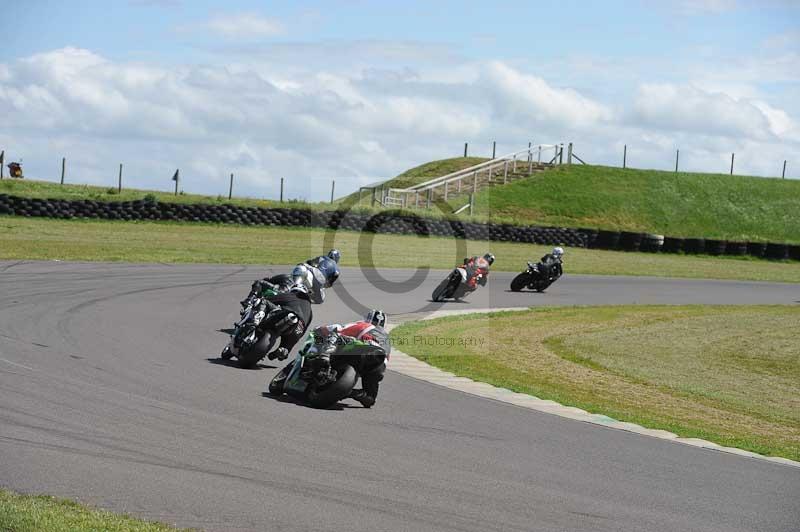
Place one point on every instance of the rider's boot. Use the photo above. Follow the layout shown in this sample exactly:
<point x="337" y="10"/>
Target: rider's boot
<point x="281" y="354"/>
<point x="362" y="397"/>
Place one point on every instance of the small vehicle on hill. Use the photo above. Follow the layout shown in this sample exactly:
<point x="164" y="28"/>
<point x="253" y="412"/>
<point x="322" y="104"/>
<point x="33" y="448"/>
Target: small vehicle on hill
<point x="15" y="170"/>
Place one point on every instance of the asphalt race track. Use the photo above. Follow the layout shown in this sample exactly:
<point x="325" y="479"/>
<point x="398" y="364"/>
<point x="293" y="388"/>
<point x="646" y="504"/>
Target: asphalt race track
<point x="111" y="393"/>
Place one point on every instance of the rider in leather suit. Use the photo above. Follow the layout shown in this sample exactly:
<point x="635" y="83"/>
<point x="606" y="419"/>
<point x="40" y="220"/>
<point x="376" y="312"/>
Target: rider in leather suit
<point x="357" y="340"/>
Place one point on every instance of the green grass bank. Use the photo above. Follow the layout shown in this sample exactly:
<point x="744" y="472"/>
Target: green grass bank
<point x="39" y="513"/>
<point x="675" y="204"/>
<point x="728" y="374"/>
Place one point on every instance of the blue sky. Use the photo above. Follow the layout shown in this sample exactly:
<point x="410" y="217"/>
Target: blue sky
<point x="359" y="91"/>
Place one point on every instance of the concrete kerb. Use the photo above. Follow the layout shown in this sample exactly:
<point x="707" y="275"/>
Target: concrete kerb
<point x="411" y="367"/>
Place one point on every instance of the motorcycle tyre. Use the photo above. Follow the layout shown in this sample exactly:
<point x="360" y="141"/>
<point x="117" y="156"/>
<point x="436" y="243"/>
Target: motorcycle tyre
<point x="276" y="384"/>
<point x="248" y="358"/>
<point x="520" y="281"/>
<point x="334" y="392"/>
<point x="440" y="291"/>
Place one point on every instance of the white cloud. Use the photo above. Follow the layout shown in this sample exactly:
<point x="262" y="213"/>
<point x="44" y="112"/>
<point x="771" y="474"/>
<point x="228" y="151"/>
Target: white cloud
<point x="263" y="121"/>
<point x="524" y="96"/>
<point x="244" y="25"/>
<point x="687" y="108"/>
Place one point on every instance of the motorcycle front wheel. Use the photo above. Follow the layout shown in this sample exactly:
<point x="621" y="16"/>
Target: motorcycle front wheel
<point x="336" y="391"/>
<point x="439" y="292"/>
<point x="276" y="384"/>
<point x="520" y="281"/>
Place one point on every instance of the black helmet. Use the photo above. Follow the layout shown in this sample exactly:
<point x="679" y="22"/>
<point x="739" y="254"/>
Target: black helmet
<point x="489" y="258"/>
<point x="376" y="317"/>
<point x="335" y="255"/>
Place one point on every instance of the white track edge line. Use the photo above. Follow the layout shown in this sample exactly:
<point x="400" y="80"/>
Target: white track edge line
<point x="412" y="367"/>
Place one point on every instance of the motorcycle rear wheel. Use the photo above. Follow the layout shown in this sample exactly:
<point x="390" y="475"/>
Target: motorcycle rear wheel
<point x="250" y="356"/>
<point x="520" y="281"/>
<point x="336" y="391"/>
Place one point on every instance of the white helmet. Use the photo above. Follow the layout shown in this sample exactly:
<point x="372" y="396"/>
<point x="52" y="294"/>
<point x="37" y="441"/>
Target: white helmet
<point x="558" y="251"/>
<point x="302" y="276"/>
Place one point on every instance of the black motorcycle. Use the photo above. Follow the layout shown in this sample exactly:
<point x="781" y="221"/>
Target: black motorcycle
<point x="251" y="340"/>
<point x="533" y="279"/>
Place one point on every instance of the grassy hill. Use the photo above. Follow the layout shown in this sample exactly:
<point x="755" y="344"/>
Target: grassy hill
<point x="424" y="172"/>
<point x="675" y="204"/>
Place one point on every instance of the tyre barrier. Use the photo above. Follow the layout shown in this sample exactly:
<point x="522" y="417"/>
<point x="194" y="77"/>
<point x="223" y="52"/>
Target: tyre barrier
<point x="652" y="243"/>
<point x="716" y="247"/>
<point x="387" y="222"/>
<point x="672" y="244"/>
<point x="607" y="239"/>
<point x="736" y="248"/>
<point x="630" y="241"/>
<point x="756" y="249"/>
<point x="694" y="246"/>
<point x="776" y="251"/>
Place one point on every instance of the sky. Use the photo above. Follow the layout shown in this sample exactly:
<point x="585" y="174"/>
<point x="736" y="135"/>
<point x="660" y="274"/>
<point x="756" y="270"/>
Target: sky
<point x="358" y="91"/>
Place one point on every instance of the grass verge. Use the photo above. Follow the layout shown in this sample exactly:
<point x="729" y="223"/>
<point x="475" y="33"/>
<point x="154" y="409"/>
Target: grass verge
<point x="91" y="240"/>
<point x="34" y="513"/>
<point x="678" y="204"/>
<point x="728" y="374"/>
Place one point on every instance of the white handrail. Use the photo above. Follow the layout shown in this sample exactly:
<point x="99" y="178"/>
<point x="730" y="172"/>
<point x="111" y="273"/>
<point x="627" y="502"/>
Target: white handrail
<point x="432" y="183"/>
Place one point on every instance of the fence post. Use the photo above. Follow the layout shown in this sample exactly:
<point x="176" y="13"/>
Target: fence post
<point x="471" y="203"/>
<point x="494" y="148"/>
<point x="333" y="187"/>
<point x="624" y="155"/>
<point x="119" y="184"/>
<point x="465" y="149"/>
<point x="530" y="153"/>
<point x="677" y="156"/>
<point x="561" y="154"/>
<point x="63" y="168"/>
<point x="445" y="190"/>
<point x="428" y="204"/>
<point x="281" y="190"/>
<point x="539" y="158"/>
<point x="783" y="175"/>
<point x="2" y="160"/>
<point x="514" y="167"/>
<point x="732" y="154"/>
<point x="505" y="172"/>
<point x="230" y="188"/>
<point x="459" y="184"/>
<point x="475" y="182"/>
<point x="569" y="153"/>
<point x="416" y="202"/>
<point x="176" y="178"/>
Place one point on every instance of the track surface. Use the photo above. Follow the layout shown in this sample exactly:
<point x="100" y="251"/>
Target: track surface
<point x="111" y="393"/>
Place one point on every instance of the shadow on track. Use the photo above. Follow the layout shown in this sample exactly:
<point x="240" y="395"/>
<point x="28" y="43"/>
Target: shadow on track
<point x="338" y="407"/>
<point x="235" y="364"/>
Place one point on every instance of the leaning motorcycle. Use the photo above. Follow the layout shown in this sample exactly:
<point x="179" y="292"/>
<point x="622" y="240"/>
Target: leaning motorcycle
<point x="533" y="279"/>
<point x="255" y="334"/>
<point x="455" y="286"/>
<point x="321" y="388"/>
